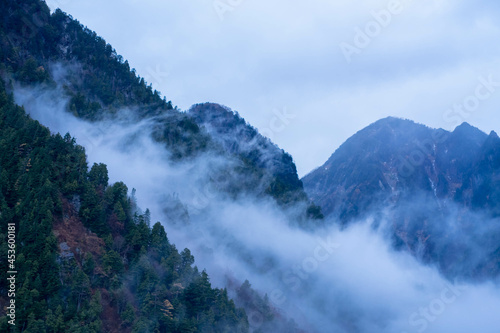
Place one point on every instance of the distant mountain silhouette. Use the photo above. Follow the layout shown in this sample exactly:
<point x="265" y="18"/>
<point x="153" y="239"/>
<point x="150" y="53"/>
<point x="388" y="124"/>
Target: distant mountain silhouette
<point x="393" y="156"/>
<point x="437" y="191"/>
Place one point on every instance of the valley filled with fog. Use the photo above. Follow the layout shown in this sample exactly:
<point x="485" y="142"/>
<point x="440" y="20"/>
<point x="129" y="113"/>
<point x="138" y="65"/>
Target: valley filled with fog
<point x="331" y="279"/>
<point x="181" y="183"/>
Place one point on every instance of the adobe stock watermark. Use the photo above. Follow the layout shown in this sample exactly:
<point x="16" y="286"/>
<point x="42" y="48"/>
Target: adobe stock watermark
<point x="421" y="319"/>
<point x="53" y="4"/>
<point x="91" y="141"/>
<point x="364" y="36"/>
<point x="294" y="279"/>
<point x="157" y="75"/>
<point x="31" y="24"/>
<point x="11" y="273"/>
<point x="455" y="115"/>
<point x="222" y="7"/>
<point x="202" y="197"/>
<point x="279" y="121"/>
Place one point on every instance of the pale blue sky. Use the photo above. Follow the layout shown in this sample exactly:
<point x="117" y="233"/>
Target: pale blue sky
<point x="261" y="58"/>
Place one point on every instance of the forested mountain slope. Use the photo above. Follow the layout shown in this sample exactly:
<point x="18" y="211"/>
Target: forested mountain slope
<point x="89" y="260"/>
<point x="54" y="51"/>
<point x="87" y="257"/>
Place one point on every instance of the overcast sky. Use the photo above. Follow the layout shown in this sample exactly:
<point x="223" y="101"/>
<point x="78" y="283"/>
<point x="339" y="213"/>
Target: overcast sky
<point x="328" y="69"/>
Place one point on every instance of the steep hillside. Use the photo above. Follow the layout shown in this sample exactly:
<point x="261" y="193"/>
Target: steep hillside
<point x="392" y="157"/>
<point x="265" y="167"/>
<point x="437" y="191"/>
<point x="86" y="257"/>
<point x="54" y="51"/>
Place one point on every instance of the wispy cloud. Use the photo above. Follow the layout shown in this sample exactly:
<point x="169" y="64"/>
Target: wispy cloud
<point x="344" y="280"/>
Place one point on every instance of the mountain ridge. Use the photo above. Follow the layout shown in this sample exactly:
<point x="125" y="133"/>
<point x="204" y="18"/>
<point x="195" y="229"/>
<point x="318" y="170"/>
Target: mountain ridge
<point x="98" y="82"/>
<point x="422" y="182"/>
<point x="123" y="274"/>
<point x="397" y="146"/>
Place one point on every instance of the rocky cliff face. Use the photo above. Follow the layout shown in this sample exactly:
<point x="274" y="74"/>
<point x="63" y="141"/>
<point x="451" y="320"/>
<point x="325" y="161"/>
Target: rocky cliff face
<point x="394" y="157"/>
<point x="437" y="192"/>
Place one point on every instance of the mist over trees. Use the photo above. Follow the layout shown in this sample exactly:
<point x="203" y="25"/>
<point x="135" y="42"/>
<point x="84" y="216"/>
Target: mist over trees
<point x="123" y="264"/>
<point x="90" y="259"/>
<point x="268" y="258"/>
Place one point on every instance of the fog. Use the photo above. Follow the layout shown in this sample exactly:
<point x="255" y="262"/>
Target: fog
<point x="332" y="280"/>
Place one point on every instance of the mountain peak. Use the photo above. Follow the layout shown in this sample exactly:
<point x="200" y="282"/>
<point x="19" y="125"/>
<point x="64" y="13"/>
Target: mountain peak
<point x="390" y="155"/>
<point x="216" y="115"/>
<point x="492" y="142"/>
<point x="393" y="122"/>
<point x="469" y="135"/>
<point x="395" y="126"/>
<point x="466" y="128"/>
<point x="465" y="125"/>
<point x="234" y="135"/>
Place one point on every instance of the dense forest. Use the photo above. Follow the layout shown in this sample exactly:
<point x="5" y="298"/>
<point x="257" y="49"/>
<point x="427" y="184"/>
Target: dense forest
<point x="88" y="258"/>
<point x="55" y="50"/>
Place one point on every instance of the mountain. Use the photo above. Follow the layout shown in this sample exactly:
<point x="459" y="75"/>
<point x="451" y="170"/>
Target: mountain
<point x="437" y="190"/>
<point x="54" y="51"/>
<point x="393" y="156"/>
<point x="270" y="166"/>
<point x="88" y="258"/>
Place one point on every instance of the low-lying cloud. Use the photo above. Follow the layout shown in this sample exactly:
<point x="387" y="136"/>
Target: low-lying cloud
<point x="331" y="280"/>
